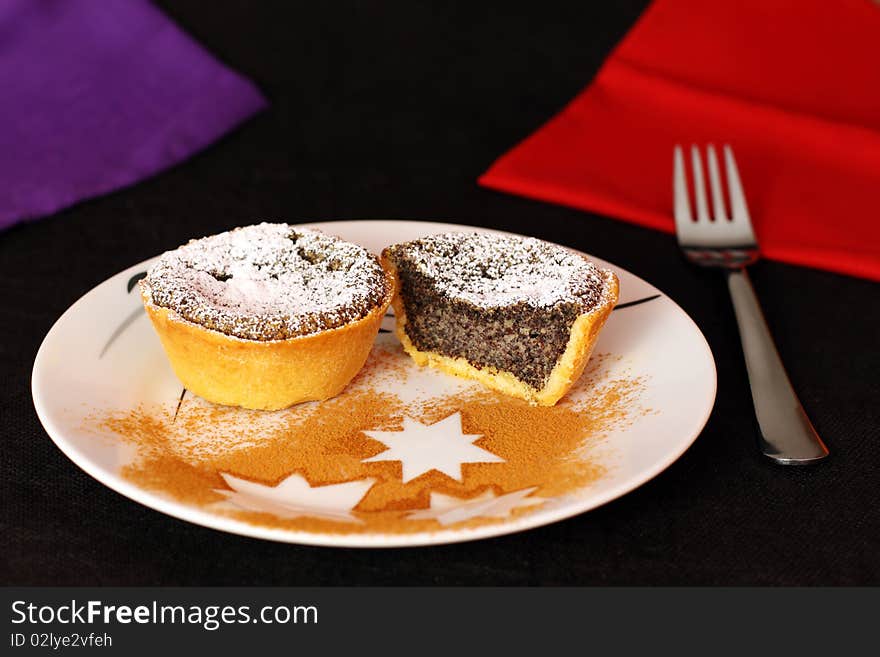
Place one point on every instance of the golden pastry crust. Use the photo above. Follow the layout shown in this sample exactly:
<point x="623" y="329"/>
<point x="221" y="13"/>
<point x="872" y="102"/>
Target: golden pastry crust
<point x="568" y="369"/>
<point x="265" y="375"/>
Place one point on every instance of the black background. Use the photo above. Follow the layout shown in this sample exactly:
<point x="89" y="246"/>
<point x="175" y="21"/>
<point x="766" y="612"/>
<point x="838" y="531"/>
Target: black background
<point x="391" y="110"/>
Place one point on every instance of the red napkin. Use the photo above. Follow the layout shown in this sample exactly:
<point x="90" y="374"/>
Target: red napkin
<point x="794" y="87"/>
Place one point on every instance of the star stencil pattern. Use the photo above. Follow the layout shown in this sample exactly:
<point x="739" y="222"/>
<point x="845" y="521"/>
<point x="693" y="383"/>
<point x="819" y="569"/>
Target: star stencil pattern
<point x="293" y="497"/>
<point x="448" y="510"/>
<point x="440" y="446"/>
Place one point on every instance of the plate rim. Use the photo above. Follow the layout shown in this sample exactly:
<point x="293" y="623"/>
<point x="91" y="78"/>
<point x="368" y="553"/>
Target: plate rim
<point x="180" y="511"/>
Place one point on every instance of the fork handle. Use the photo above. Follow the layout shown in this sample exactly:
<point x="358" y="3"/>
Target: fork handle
<point x="787" y="435"/>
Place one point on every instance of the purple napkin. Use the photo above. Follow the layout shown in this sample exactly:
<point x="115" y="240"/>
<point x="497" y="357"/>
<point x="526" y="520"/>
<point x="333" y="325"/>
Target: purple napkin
<point x="99" y="95"/>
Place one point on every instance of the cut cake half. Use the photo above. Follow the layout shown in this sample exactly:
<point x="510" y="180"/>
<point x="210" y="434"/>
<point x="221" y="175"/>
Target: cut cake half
<point x="517" y="314"/>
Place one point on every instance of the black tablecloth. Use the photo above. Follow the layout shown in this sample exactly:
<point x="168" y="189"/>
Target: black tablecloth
<point x="391" y="110"/>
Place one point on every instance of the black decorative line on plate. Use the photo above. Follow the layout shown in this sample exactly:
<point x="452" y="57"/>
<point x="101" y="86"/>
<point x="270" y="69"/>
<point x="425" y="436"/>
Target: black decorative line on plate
<point x="389" y="316"/>
<point x="618" y="307"/>
<point x="134" y="280"/>
<point x="637" y="302"/>
<point x="137" y="312"/>
<point x="179" y="402"/>
<point x="628" y="304"/>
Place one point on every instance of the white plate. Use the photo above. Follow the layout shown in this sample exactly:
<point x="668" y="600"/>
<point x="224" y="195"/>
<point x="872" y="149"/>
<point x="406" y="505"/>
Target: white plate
<point x="101" y="360"/>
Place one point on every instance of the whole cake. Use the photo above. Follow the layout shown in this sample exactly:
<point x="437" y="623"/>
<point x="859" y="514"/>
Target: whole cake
<point x="267" y="316"/>
<point x="518" y="314"/>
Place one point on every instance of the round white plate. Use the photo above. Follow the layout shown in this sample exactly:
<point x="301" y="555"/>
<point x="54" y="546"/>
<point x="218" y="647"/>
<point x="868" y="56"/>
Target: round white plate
<point x="102" y="358"/>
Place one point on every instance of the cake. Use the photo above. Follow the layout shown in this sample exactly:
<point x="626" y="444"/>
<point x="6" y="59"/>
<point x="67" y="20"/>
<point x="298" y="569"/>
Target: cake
<point x="268" y="315"/>
<point x="518" y="314"/>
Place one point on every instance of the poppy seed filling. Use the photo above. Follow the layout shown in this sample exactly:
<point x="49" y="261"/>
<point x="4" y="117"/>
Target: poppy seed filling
<point x="498" y="301"/>
<point x="268" y="282"/>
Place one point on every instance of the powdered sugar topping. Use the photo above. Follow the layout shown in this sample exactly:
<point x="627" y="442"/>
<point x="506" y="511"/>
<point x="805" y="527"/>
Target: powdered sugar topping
<point x="268" y="282"/>
<point x="493" y="270"/>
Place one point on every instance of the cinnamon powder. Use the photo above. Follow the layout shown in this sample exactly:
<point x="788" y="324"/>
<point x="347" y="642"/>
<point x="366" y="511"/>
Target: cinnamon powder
<point x="182" y="456"/>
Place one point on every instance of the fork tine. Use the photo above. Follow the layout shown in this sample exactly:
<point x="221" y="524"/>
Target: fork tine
<point x="738" y="209"/>
<point x="680" y="194"/>
<point x="699" y="186"/>
<point x="715" y="186"/>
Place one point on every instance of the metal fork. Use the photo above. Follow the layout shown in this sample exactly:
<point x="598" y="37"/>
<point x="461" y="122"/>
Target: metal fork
<point x="728" y="242"/>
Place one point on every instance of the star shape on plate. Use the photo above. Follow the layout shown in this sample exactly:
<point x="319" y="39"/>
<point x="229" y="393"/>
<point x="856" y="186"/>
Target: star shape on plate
<point x="448" y="510"/>
<point x="293" y="497"/>
<point x="440" y="446"/>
